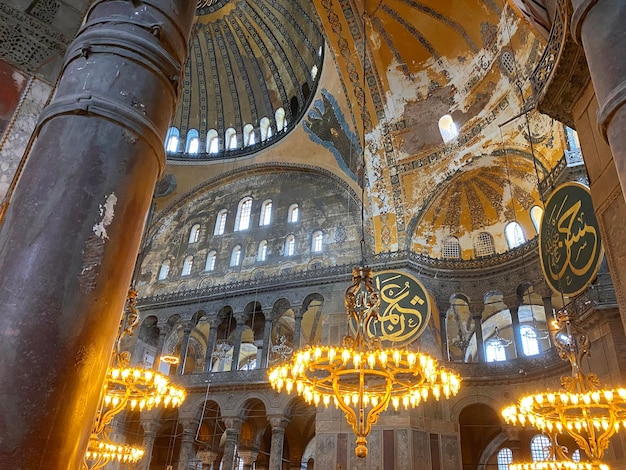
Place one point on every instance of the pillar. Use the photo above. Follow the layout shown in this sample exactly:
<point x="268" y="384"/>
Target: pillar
<point x="598" y="25"/>
<point x="163" y="332"/>
<point x="241" y="319"/>
<point x="517" y="337"/>
<point x="297" y="328"/>
<point x="278" y="423"/>
<point x="233" y="428"/>
<point x="71" y="234"/>
<point x="184" y="347"/>
<point x="249" y="457"/>
<point x="477" y="315"/>
<point x="443" y="325"/>
<point x="190" y="428"/>
<point x="150" y="427"/>
<point x="267" y="338"/>
<point x="208" y="458"/>
<point x="210" y="344"/>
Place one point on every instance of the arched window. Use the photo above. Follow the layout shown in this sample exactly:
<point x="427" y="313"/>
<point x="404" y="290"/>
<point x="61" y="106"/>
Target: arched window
<point x="505" y="457"/>
<point x="242" y="222"/>
<point x="220" y="222"/>
<point x="530" y="343"/>
<point x="265" y="128"/>
<point x="294" y="213"/>
<point x="540" y="448"/>
<point x="193" y="142"/>
<point x="262" y="252"/>
<point x="266" y="213"/>
<point x="230" y="139"/>
<point x="212" y="142"/>
<point x="281" y="122"/>
<point x="514" y="235"/>
<point x="494" y="351"/>
<point x="172" y="139"/>
<point x="573" y="143"/>
<point x="314" y="72"/>
<point x="316" y="243"/>
<point x="194" y="233"/>
<point x="248" y="135"/>
<point x="210" y="261"/>
<point x="484" y="244"/>
<point x="451" y="248"/>
<point x="536" y="213"/>
<point x="187" y="264"/>
<point x="448" y="129"/>
<point x="165" y="270"/>
<point x="290" y="245"/>
<point x="235" y="256"/>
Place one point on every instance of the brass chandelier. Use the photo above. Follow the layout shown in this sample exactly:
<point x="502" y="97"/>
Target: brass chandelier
<point x="590" y="414"/>
<point x="125" y="387"/>
<point x="361" y="377"/>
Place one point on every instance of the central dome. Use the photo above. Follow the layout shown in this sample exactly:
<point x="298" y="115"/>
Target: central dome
<point x="251" y="72"/>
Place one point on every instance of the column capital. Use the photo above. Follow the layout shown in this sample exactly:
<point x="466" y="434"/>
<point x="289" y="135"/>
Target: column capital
<point x="241" y="318"/>
<point x="150" y="426"/>
<point x="278" y="422"/>
<point x="232" y="422"/>
<point x="248" y="455"/>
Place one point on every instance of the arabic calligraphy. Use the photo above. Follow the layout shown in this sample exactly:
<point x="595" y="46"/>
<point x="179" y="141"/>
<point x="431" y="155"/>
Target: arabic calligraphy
<point x="569" y="239"/>
<point x="404" y="309"/>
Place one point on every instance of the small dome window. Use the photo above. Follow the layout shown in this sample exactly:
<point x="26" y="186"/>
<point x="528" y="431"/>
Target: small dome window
<point x="193" y="142"/>
<point x="447" y="128"/>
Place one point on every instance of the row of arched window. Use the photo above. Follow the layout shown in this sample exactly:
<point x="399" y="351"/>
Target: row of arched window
<point x="214" y="143"/>
<point x="243" y="218"/>
<point x="317" y="246"/>
<point x="484" y="243"/>
<point x="539" y="449"/>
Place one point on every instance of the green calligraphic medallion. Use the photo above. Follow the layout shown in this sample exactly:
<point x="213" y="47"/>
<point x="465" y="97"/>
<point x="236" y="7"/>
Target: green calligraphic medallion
<point x="404" y="309"/>
<point x="569" y="240"/>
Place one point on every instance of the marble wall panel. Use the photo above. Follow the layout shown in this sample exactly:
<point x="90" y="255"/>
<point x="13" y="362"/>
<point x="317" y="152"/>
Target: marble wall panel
<point x="421" y="451"/>
<point x="450" y="453"/>
<point x="19" y="129"/>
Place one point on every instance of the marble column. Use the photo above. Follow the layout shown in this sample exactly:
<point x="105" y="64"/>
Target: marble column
<point x="477" y="315"/>
<point x="233" y="428"/>
<point x="517" y="337"/>
<point x="598" y="25"/>
<point x="297" y="329"/>
<point x="210" y="344"/>
<point x="241" y="320"/>
<point x="79" y="211"/>
<point x="190" y="428"/>
<point x="249" y="457"/>
<point x="278" y="423"/>
<point x="163" y="332"/>
<point x="150" y="427"/>
<point x="443" y="325"/>
<point x="208" y="458"/>
<point x="267" y="339"/>
<point x="184" y="347"/>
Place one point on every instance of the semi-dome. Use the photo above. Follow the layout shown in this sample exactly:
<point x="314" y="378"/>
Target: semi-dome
<point x="251" y="71"/>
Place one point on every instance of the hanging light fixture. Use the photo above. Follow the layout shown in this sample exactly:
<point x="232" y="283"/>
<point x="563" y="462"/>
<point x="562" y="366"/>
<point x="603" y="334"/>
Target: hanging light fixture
<point x="557" y="459"/>
<point x="361" y="377"/>
<point x="590" y="414"/>
<point x="125" y="387"/>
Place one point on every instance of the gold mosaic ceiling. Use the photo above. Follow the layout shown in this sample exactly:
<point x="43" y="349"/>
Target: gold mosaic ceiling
<point x="242" y="65"/>
<point x="425" y="59"/>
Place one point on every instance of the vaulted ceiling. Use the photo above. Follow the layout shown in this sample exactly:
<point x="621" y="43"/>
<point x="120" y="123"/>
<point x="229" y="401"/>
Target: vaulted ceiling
<point x="469" y="59"/>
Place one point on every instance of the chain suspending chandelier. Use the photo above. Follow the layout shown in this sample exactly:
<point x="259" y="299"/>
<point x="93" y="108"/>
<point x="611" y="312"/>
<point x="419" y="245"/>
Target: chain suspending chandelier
<point x="125" y="387"/>
<point x="361" y="377"/>
<point x="582" y="409"/>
